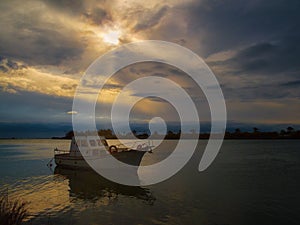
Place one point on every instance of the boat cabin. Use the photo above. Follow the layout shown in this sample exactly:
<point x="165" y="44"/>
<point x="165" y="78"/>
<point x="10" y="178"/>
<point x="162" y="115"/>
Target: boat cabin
<point x="89" y="145"/>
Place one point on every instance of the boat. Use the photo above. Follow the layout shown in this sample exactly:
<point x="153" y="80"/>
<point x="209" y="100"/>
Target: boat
<point x="97" y="147"/>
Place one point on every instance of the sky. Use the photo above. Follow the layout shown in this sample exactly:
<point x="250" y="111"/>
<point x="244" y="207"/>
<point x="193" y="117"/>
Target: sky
<point x="46" y="46"/>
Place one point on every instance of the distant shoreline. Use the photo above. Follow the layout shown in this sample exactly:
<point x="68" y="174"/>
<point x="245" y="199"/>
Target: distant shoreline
<point x="225" y="138"/>
<point x="288" y="134"/>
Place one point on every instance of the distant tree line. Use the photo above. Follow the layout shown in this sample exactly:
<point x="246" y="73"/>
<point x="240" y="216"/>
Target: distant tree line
<point x="288" y="133"/>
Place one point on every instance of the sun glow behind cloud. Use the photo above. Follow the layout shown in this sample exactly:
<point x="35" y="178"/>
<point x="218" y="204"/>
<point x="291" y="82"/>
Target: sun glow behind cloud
<point x="64" y="39"/>
<point x="112" y="37"/>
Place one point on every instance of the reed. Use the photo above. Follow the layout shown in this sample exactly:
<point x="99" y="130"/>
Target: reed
<point x="12" y="212"/>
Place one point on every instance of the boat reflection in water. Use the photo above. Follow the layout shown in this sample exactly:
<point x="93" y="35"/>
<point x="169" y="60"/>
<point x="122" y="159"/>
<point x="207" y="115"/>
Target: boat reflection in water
<point x="88" y="185"/>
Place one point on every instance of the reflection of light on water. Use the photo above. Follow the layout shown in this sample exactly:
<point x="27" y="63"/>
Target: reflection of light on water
<point x="45" y="195"/>
<point x="30" y="149"/>
<point x="253" y="176"/>
<point x="49" y="196"/>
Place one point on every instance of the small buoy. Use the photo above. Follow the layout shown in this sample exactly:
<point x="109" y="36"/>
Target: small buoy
<point x="113" y="148"/>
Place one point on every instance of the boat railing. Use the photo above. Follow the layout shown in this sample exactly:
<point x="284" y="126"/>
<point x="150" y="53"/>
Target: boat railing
<point x="60" y="151"/>
<point x="136" y="145"/>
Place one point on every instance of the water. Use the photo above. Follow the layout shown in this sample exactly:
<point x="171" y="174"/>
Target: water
<point x="250" y="182"/>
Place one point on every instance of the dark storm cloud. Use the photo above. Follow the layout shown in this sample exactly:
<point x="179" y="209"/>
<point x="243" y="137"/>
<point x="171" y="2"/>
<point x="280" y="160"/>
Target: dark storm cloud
<point x="98" y="16"/>
<point x="150" y="96"/>
<point x="96" y="12"/>
<point x="176" y="71"/>
<point x="259" y="92"/>
<point x="43" y="106"/>
<point x="295" y="84"/>
<point x="156" y="99"/>
<point x="266" y="58"/>
<point x="113" y="86"/>
<point x="68" y="87"/>
<point x="265" y="38"/>
<point x="30" y="35"/>
<point x="150" y="18"/>
<point x="12" y="64"/>
<point x="71" y="6"/>
<point x="264" y="35"/>
<point x="159" y="74"/>
<point x="223" y="25"/>
<point x="39" y="46"/>
<point x="8" y="64"/>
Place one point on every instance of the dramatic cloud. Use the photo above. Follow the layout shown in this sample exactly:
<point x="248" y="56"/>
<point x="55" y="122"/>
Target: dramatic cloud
<point x="223" y="25"/>
<point x="266" y="58"/>
<point x="44" y="40"/>
<point x="31" y="107"/>
<point x="17" y="77"/>
<point x="150" y="19"/>
<point x="251" y="46"/>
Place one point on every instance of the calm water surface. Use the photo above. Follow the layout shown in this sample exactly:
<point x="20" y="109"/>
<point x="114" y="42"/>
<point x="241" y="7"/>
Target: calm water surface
<point x="250" y="182"/>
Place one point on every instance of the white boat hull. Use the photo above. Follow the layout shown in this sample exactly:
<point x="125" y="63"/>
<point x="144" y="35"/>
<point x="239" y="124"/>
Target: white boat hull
<point x="132" y="157"/>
